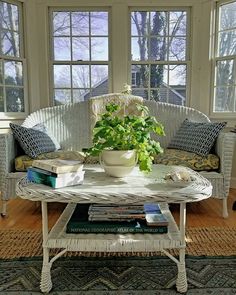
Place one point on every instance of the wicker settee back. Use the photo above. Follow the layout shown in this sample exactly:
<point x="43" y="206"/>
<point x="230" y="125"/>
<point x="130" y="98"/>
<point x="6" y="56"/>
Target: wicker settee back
<point x="171" y="116"/>
<point x="71" y="123"/>
<point x="68" y="123"/>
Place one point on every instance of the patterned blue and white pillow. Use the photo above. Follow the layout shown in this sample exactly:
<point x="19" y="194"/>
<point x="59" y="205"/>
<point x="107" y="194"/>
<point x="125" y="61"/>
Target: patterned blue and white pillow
<point x="34" y="142"/>
<point x="43" y="128"/>
<point x="196" y="137"/>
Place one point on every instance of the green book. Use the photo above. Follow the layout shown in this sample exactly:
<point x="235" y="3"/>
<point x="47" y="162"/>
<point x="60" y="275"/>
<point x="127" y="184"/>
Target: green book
<point x="79" y="223"/>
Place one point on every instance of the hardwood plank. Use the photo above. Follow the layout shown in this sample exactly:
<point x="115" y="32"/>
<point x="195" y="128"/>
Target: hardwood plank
<point x="25" y="214"/>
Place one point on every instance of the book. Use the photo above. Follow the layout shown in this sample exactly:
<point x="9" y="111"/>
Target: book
<point x="151" y="208"/>
<point x="79" y="223"/>
<point x="154" y="219"/>
<point x="58" y="165"/>
<point x="58" y="175"/>
<point x="149" y="212"/>
<point x="69" y="179"/>
<point x="115" y="212"/>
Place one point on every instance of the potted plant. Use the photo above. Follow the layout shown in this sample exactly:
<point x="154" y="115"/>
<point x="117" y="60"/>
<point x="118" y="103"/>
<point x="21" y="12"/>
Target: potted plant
<point x="130" y="135"/>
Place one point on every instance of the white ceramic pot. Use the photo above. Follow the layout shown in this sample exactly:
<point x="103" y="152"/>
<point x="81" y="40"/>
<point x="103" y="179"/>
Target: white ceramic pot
<point x="118" y="163"/>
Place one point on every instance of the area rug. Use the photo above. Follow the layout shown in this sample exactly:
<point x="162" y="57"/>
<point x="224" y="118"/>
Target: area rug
<point x="212" y="241"/>
<point x="119" y="275"/>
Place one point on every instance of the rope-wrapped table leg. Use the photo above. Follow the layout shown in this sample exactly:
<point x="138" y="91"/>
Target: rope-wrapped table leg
<point x="181" y="282"/>
<point x="46" y="282"/>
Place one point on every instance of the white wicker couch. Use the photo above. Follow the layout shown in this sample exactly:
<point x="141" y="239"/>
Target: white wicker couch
<point x="71" y="125"/>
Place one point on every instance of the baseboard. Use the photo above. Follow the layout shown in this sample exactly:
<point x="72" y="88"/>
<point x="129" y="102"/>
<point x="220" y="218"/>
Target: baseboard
<point x="233" y="182"/>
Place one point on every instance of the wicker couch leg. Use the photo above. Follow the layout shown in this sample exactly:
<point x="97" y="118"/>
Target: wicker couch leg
<point x="225" y="208"/>
<point x="4" y="208"/>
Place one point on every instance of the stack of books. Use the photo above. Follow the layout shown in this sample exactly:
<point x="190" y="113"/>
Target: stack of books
<point x="117" y="219"/>
<point x="98" y="212"/>
<point x="56" y="173"/>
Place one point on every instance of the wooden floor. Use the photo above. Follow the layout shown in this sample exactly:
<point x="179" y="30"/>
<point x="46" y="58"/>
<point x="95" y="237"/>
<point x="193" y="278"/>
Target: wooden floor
<point x="24" y="214"/>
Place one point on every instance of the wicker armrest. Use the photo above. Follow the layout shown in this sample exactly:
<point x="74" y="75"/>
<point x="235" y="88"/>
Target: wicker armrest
<point x="8" y="152"/>
<point x="225" y="145"/>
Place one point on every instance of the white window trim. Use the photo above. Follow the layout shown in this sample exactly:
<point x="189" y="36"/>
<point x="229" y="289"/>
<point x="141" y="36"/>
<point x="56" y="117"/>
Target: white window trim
<point x="89" y="62"/>
<point x="214" y="45"/>
<point x="18" y="115"/>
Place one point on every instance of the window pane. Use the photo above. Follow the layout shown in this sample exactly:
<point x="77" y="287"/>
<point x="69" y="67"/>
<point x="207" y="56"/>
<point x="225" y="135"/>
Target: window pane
<point x="10" y="43"/>
<point x="225" y="73"/>
<point x="224" y="99"/>
<point x="15" y="99"/>
<point x="1" y="100"/>
<point x="62" y="76"/>
<point x="80" y="48"/>
<point x="9" y="18"/>
<point x="158" y="23"/>
<point x="13" y="73"/>
<point x="139" y="49"/>
<point x="227" y="43"/>
<point x="177" y="49"/>
<point x="177" y="75"/>
<point x="99" y="76"/>
<point x="62" y="50"/>
<point x="99" y="48"/>
<point x="227" y="16"/>
<point x="141" y="92"/>
<point x="99" y="23"/>
<point x="178" y="23"/>
<point x="159" y="94"/>
<point x="80" y="23"/>
<point x="158" y="75"/>
<point x="62" y="96"/>
<point x="61" y="23"/>
<point x="80" y="76"/>
<point x="139" y="23"/>
<point x="142" y="74"/>
<point x="158" y="49"/>
<point x="80" y="94"/>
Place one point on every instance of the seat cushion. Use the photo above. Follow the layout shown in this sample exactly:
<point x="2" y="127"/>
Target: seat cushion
<point x="196" y="137"/>
<point x="24" y="162"/>
<point x="188" y="159"/>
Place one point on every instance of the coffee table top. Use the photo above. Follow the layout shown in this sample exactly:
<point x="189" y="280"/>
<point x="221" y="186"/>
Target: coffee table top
<point x="137" y="188"/>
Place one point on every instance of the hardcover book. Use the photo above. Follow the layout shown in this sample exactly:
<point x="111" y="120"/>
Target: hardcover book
<point x="58" y="165"/>
<point x="79" y="223"/>
<point x="68" y="179"/>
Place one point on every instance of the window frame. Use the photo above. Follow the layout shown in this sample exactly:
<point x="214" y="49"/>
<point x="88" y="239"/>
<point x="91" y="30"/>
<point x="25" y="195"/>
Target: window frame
<point x="53" y="62"/>
<point x="215" y="58"/>
<point x="186" y="62"/>
<point x="21" y="58"/>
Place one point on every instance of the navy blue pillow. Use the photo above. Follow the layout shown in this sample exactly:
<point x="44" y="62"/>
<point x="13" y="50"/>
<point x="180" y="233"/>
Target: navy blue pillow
<point x="196" y="137"/>
<point x="33" y="142"/>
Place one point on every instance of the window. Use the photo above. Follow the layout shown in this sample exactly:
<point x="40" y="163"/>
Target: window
<point x="80" y="50"/>
<point x="225" y="59"/>
<point x="11" y="58"/>
<point x="159" y="54"/>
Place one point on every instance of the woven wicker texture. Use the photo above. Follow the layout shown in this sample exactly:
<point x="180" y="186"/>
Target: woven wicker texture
<point x="135" y="188"/>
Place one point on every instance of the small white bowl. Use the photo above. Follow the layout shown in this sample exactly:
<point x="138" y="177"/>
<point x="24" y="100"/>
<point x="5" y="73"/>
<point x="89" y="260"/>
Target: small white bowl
<point x="118" y="171"/>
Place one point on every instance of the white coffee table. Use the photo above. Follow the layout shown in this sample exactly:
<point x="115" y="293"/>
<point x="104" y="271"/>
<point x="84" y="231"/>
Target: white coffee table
<point x="137" y="188"/>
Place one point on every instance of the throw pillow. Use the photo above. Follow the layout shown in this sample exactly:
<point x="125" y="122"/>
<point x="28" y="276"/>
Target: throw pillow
<point x="196" y="137"/>
<point x="33" y="142"/>
<point x="43" y="128"/>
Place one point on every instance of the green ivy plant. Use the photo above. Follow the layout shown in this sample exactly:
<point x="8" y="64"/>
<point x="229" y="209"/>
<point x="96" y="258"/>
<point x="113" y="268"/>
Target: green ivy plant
<point x="129" y="132"/>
